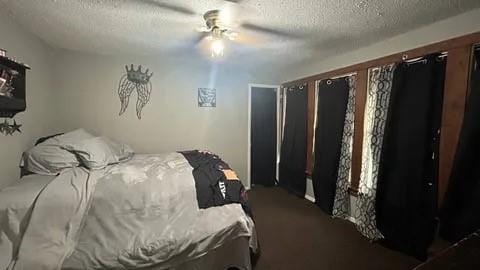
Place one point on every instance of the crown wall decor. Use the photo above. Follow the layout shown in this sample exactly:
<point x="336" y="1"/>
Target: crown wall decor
<point x="135" y="79"/>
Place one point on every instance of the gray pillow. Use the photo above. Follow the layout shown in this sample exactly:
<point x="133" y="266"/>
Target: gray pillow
<point x="97" y="153"/>
<point x="49" y="157"/>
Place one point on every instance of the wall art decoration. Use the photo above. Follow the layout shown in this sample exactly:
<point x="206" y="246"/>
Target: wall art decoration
<point x="8" y="129"/>
<point x="7" y="77"/>
<point x="12" y="86"/>
<point x="207" y="97"/>
<point x="135" y="79"/>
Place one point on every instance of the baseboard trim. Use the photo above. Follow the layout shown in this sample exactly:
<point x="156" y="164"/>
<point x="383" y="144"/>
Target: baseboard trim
<point x="312" y="199"/>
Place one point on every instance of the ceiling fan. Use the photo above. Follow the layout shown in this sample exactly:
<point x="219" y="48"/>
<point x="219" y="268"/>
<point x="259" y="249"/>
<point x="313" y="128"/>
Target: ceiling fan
<point x="215" y="32"/>
<point x="216" y="29"/>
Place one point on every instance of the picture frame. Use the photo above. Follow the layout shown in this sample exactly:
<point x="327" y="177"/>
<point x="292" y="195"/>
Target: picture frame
<point x="207" y="97"/>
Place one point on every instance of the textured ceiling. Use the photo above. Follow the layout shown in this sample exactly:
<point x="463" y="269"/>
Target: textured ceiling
<point x="126" y="26"/>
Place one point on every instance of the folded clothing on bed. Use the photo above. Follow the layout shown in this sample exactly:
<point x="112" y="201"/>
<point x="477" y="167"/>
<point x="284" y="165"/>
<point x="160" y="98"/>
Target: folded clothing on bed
<point x="215" y="182"/>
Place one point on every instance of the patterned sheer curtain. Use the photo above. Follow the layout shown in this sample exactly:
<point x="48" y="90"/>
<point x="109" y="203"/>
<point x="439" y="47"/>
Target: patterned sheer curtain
<point x="342" y="196"/>
<point x="378" y="97"/>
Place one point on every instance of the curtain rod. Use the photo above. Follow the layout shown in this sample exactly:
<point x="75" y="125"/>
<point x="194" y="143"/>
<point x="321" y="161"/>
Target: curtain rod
<point x="406" y="60"/>
<point x="420" y="59"/>
<point x="342" y="76"/>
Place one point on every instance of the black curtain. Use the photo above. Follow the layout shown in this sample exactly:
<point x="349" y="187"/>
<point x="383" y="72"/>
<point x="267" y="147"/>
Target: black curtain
<point x="331" y="110"/>
<point x="460" y="215"/>
<point x="406" y="202"/>
<point x="293" y="154"/>
<point x="263" y="136"/>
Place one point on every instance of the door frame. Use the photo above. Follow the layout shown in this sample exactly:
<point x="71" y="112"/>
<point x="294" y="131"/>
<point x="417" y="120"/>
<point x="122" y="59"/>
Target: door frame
<point x="249" y="131"/>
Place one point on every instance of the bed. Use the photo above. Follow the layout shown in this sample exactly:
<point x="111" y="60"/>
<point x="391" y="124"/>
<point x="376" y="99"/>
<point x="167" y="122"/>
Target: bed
<point x="182" y="210"/>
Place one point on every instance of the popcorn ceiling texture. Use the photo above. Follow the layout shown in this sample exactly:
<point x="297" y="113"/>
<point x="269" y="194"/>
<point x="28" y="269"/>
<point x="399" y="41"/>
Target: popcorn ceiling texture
<point x="326" y="27"/>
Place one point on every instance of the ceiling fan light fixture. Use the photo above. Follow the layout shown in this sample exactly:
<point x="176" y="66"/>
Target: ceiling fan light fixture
<point x="217" y="42"/>
<point x="217" y="48"/>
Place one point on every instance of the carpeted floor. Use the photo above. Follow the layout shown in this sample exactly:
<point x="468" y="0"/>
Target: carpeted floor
<point x="294" y="234"/>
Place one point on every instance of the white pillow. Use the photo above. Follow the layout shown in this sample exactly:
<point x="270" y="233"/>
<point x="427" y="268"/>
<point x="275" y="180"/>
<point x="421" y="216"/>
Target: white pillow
<point x="97" y="153"/>
<point x="49" y="157"/>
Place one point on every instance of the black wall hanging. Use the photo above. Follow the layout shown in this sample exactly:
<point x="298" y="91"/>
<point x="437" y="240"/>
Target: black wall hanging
<point x="12" y="92"/>
<point x="135" y="79"/>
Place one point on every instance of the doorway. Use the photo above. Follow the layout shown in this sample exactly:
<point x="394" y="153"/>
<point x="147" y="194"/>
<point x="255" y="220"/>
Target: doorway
<point x="263" y="134"/>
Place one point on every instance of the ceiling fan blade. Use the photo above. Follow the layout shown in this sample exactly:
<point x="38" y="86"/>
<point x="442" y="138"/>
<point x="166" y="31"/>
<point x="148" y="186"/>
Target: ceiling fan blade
<point x="249" y="40"/>
<point x="171" y="7"/>
<point x="267" y="30"/>
<point x="234" y="1"/>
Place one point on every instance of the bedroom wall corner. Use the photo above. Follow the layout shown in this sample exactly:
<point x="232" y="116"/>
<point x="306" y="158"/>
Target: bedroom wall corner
<point x="39" y="118"/>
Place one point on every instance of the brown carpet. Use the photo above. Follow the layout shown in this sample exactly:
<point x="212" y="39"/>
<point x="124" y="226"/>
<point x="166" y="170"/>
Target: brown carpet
<point x="295" y="234"/>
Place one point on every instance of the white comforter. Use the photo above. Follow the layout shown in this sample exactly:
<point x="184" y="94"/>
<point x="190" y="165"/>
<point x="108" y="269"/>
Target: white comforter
<point x="136" y="214"/>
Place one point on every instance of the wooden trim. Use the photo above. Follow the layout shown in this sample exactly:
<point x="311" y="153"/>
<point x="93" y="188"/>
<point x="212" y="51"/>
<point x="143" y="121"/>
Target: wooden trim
<point x="310" y="125"/>
<point x="353" y="192"/>
<point x="455" y="92"/>
<point x="449" y="44"/>
<point x="360" y="101"/>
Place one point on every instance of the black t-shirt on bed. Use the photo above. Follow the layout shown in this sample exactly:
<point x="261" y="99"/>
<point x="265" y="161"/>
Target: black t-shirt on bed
<point x="211" y="184"/>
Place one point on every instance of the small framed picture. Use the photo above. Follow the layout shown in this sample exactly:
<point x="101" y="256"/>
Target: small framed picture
<point x="207" y="97"/>
<point x="3" y="52"/>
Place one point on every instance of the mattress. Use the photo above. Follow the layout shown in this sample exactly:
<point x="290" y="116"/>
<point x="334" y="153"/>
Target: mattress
<point x="139" y="214"/>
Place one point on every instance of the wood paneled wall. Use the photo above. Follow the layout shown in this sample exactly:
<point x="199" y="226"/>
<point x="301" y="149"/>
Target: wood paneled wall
<point x="455" y="93"/>
<point x="456" y="89"/>
<point x="360" y="101"/>
<point x="310" y="126"/>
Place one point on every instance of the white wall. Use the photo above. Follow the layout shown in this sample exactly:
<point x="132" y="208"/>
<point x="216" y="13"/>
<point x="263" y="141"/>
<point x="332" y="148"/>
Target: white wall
<point x="87" y="84"/>
<point x="38" y="118"/>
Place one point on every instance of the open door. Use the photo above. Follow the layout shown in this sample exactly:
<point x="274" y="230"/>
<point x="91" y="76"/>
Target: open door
<point x="263" y="135"/>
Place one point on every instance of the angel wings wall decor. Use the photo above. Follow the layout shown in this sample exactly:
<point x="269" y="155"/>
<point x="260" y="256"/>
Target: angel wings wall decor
<point x="135" y="79"/>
